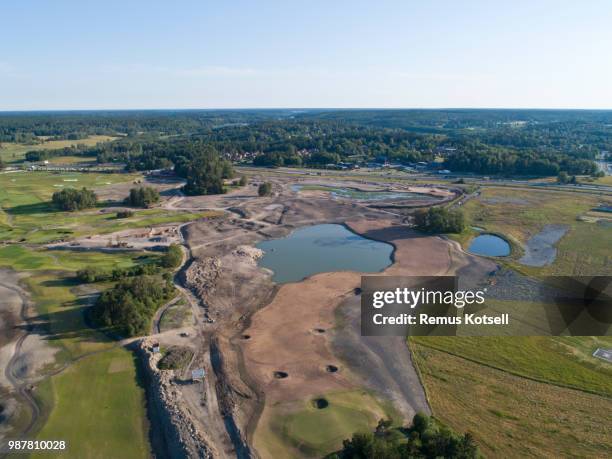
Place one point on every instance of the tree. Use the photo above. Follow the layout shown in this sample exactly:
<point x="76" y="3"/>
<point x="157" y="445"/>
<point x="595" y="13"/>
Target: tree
<point x="440" y="220"/>
<point x="70" y="199"/>
<point x="143" y="196"/>
<point x="205" y="173"/>
<point x="265" y="189"/>
<point x="243" y="180"/>
<point x="130" y="305"/>
<point x="173" y="257"/>
<point x="562" y="177"/>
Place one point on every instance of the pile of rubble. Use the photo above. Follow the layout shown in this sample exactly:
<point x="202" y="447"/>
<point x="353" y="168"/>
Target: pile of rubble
<point x="201" y="276"/>
<point x="183" y="438"/>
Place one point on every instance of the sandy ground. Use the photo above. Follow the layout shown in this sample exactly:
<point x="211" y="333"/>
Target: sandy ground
<point x="119" y="191"/>
<point x="136" y="239"/>
<point x="10" y="320"/>
<point x="229" y="292"/>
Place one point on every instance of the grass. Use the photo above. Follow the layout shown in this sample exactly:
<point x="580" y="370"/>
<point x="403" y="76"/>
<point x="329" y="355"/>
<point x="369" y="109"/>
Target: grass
<point x="301" y="429"/>
<point x="22" y="258"/>
<point x="28" y="216"/>
<point x="176" y="316"/>
<point x="98" y="408"/>
<point x="15" y="152"/>
<point x="42" y="224"/>
<point x="96" y="402"/>
<point x="511" y="416"/>
<point x="26" y="188"/>
<point x="565" y="361"/>
<point x="521" y="214"/>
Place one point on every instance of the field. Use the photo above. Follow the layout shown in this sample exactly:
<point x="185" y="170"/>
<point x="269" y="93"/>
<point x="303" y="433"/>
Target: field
<point x="511" y="416"/>
<point x="520" y="214"/>
<point x="89" y="373"/>
<point x="565" y="361"/>
<point x="98" y="408"/>
<point x="302" y="428"/>
<point x="15" y="152"/>
<point x="28" y="216"/>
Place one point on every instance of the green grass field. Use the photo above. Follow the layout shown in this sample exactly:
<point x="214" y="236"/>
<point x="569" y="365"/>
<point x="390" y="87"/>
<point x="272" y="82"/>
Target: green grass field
<point x="15" y="152"/>
<point x="301" y="429"/>
<point x="96" y="403"/>
<point x="28" y="216"/>
<point x="98" y="408"/>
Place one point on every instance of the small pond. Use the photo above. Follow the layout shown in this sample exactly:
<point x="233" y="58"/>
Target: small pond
<point x="323" y="248"/>
<point x="489" y="245"/>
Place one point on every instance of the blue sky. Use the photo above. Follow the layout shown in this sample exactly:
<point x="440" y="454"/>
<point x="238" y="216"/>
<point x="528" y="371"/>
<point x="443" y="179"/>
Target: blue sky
<point x="68" y="54"/>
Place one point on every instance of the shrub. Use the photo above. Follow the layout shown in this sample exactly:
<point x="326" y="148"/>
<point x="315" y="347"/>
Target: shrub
<point x="265" y="189"/>
<point x="175" y="358"/>
<point x="125" y="214"/>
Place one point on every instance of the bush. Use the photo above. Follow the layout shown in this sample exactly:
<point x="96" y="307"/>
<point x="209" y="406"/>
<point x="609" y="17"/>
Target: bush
<point x="265" y="189"/>
<point x="243" y="180"/>
<point x="143" y="196"/>
<point x="125" y="214"/>
<point x="440" y="220"/>
<point x="175" y="358"/>
<point x="70" y="199"/>
<point x="173" y="257"/>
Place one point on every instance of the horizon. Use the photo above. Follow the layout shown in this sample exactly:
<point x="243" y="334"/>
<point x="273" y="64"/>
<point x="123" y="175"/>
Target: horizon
<point x="346" y="55"/>
<point x="312" y="109"/>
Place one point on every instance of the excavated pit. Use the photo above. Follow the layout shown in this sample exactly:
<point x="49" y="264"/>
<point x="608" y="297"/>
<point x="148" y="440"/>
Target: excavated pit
<point x="320" y="403"/>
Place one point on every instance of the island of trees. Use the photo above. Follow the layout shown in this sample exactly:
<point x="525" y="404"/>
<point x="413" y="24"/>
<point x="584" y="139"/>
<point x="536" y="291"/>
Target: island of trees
<point x="427" y="438"/>
<point x="70" y="199"/>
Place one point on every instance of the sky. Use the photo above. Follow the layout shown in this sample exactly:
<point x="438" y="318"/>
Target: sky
<point x="136" y="54"/>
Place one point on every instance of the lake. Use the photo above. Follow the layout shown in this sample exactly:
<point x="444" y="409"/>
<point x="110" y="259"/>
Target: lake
<point x="489" y="245"/>
<point x="323" y="248"/>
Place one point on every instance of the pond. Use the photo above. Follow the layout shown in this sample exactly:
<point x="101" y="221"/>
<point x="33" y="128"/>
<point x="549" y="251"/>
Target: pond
<point x="323" y="248"/>
<point x="489" y="245"/>
<point x="351" y="193"/>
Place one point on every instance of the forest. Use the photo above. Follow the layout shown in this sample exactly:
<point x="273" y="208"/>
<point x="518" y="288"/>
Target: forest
<point x="492" y="142"/>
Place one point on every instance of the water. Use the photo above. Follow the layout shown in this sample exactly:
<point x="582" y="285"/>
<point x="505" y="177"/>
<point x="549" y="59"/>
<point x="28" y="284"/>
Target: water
<point x="350" y="193"/>
<point x="323" y="248"/>
<point x="489" y="245"/>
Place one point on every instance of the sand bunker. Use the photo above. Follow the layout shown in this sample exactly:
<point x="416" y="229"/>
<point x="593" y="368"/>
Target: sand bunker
<point x="540" y="250"/>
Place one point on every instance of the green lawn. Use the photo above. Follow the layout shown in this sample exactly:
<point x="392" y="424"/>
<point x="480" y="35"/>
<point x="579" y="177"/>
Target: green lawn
<point x="98" y="408"/>
<point x="300" y="428"/>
